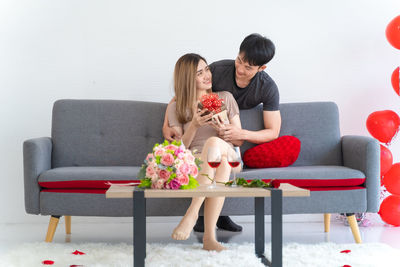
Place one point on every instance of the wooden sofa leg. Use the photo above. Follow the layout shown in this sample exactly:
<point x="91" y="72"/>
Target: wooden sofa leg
<point x="327" y="221"/>
<point x="351" y="218"/>
<point x="67" y="224"/>
<point x="52" y="227"/>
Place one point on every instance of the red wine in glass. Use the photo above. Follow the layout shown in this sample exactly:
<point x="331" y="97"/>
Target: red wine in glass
<point x="214" y="164"/>
<point x="234" y="164"/>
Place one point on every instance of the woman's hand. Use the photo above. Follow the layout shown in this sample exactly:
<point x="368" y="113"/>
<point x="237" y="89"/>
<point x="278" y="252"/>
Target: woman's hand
<point x="218" y="125"/>
<point x="199" y="118"/>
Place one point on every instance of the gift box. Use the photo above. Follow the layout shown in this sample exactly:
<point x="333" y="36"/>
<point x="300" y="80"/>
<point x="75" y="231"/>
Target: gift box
<point x="214" y="105"/>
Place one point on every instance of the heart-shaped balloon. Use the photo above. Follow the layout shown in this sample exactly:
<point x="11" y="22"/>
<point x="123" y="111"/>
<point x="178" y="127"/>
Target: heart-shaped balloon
<point x="395" y="80"/>
<point x="386" y="160"/>
<point x="393" y="32"/>
<point x="383" y="125"/>
<point x="391" y="179"/>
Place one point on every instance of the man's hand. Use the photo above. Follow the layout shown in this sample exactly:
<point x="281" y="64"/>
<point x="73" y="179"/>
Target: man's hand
<point x="231" y="133"/>
<point x="171" y="134"/>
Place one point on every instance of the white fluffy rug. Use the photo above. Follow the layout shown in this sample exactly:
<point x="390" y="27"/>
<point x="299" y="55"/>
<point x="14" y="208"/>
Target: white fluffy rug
<point x="118" y="255"/>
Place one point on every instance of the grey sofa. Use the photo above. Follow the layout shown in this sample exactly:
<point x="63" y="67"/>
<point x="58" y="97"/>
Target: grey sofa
<point x="96" y="141"/>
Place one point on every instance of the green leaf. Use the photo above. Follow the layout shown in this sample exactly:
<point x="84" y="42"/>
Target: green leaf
<point x="142" y="173"/>
<point x="166" y="143"/>
<point x="176" y="143"/>
<point x="192" y="183"/>
<point x="145" y="183"/>
<point x="241" y="181"/>
<point x="171" y="177"/>
<point x="257" y="183"/>
<point x="198" y="163"/>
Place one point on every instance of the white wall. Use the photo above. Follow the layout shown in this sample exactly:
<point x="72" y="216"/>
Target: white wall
<point x="326" y="50"/>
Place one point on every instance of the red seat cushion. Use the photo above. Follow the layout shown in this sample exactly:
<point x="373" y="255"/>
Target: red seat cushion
<point x="280" y="152"/>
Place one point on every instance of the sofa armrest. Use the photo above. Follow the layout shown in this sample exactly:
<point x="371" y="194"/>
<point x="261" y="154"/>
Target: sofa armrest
<point x="37" y="159"/>
<point x="363" y="153"/>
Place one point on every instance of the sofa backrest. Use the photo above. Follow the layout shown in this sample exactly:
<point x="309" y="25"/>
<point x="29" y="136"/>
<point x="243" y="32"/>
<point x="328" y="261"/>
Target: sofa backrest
<point x="315" y="124"/>
<point x="121" y="133"/>
<point x="105" y="132"/>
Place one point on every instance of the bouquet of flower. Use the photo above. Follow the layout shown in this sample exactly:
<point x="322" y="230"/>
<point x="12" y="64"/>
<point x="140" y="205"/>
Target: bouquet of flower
<point x="170" y="166"/>
<point x="214" y="105"/>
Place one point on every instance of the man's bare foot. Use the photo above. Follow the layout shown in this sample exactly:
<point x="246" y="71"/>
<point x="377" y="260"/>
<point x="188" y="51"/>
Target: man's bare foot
<point x="185" y="227"/>
<point x="212" y="245"/>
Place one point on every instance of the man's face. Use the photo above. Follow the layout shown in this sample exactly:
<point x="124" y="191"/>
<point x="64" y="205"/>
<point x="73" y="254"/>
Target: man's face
<point x="245" y="71"/>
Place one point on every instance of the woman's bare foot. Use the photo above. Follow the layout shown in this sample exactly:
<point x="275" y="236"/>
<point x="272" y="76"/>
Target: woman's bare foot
<point x="185" y="227"/>
<point x="212" y="245"/>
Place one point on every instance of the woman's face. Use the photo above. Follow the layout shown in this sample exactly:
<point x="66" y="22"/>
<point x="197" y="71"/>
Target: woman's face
<point x="203" y="76"/>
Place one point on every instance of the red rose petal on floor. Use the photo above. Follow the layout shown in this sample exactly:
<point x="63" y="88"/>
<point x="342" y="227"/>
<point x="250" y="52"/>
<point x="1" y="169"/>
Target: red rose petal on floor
<point x="76" y="265"/>
<point x="48" y="262"/>
<point x="346" y="265"/>
<point x="77" y="252"/>
<point x="345" y="251"/>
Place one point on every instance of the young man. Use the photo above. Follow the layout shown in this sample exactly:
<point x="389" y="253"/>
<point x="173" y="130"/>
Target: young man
<point x="250" y="85"/>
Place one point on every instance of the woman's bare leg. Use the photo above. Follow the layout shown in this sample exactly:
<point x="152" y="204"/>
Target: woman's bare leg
<point x="213" y="206"/>
<point x="185" y="227"/>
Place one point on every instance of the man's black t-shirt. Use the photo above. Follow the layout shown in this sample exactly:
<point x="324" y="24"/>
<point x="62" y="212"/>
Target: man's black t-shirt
<point x="261" y="89"/>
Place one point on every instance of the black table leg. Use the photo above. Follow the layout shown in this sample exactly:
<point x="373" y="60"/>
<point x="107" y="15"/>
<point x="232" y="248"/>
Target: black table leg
<point x="259" y="229"/>
<point x="139" y="227"/>
<point x="276" y="227"/>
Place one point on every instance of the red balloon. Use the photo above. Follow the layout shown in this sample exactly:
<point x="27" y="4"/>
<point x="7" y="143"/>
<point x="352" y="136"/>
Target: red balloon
<point x="383" y="125"/>
<point x="391" y="180"/>
<point x="395" y="80"/>
<point x="393" y="32"/>
<point x="386" y="160"/>
<point x="390" y="210"/>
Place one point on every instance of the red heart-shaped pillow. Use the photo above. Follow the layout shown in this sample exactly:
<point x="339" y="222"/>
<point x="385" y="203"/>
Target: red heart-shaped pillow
<point x="280" y="152"/>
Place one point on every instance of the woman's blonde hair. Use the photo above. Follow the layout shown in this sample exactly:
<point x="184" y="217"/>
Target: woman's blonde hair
<point x="185" y="86"/>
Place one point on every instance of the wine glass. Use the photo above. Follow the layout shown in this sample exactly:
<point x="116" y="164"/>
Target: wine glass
<point x="234" y="159"/>
<point x="214" y="160"/>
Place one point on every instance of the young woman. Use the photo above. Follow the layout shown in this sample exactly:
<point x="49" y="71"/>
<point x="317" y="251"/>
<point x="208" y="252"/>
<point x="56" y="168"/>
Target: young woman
<point x="192" y="80"/>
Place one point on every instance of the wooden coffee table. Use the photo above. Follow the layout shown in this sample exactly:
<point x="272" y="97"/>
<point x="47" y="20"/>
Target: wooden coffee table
<point x="139" y="212"/>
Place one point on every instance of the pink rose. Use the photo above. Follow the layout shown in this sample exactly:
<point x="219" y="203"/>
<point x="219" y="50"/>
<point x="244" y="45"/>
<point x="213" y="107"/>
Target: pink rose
<point x="150" y="171"/>
<point x="167" y="159"/>
<point x="150" y="157"/>
<point x="183" y="179"/>
<point x="159" y="151"/>
<point x="194" y="171"/>
<point x="189" y="157"/>
<point x="179" y="152"/>
<point x="180" y="155"/>
<point x="159" y="184"/>
<point x="174" y="184"/>
<point x="164" y="174"/>
<point x="184" y="168"/>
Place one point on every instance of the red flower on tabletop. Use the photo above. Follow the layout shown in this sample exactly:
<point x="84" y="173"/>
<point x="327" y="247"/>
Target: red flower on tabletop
<point x="77" y="252"/>
<point x="48" y="262"/>
<point x="345" y="251"/>
<point x="275" y="183"/>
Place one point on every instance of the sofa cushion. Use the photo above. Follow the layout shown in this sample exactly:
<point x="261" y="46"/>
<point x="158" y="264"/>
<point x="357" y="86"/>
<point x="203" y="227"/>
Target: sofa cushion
<point x="316" y="124"/>
<point x="99" y="177"/>
<point x="281" y="152"/>
<point x="309" y="176"/>
<point x="87" y="177"/>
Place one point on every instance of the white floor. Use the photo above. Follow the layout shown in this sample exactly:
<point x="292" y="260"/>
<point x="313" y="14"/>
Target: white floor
<point x="114" y="230"/>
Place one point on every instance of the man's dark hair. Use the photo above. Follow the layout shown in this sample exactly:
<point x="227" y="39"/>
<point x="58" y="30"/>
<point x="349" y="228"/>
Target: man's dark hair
<point x="257" y="49"/>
